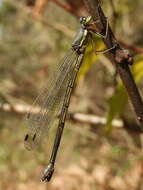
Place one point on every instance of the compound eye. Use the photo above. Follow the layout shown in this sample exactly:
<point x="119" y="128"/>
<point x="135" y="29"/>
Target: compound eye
<point x="82" y="19"/>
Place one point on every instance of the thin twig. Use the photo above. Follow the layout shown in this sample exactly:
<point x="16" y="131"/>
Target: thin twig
<point x="120" y="57"/>
<point x="22" y="109"/>
<point x="57" y="26"/>
<point x="67" y="8"/>
<point x="133" y="48"/>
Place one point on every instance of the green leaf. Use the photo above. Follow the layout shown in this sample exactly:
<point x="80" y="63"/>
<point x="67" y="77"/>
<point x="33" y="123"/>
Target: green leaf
<point x="89" y="58"/>
<point x="137" y="68"/>
<point x="116" y="104"/>
<point x="118" y="101"/>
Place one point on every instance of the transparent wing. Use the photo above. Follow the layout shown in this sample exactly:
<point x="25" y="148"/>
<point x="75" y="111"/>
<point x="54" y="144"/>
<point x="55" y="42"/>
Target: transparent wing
<point x="49" y="102"/>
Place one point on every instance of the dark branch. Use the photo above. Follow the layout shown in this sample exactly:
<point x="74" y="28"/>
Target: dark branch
<point x="121" y="58"/>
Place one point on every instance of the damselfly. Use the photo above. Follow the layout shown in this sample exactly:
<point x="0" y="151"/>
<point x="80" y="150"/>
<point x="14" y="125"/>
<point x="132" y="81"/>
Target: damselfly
<point x="57" y="97"/>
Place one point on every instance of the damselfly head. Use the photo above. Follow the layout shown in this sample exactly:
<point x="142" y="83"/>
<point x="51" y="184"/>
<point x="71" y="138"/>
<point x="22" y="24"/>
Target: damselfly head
<point x="85" y="20"/>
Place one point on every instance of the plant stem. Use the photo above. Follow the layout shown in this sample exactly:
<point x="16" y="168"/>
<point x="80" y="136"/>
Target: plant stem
<point x="120" y="58"/>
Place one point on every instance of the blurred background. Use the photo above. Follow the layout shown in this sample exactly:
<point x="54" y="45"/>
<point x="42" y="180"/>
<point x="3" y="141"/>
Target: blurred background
<point x="101" y="148"/>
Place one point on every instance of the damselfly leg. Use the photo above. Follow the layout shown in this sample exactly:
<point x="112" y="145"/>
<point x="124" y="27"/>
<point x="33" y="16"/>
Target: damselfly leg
<point x="104" y="36"/>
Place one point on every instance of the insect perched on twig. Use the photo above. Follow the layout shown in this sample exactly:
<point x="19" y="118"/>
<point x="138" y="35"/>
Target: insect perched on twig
<point x="57" y="96"/>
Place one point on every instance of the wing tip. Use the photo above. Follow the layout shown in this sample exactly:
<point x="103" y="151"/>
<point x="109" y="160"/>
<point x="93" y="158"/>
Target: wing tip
<point x="29" y="141"/>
